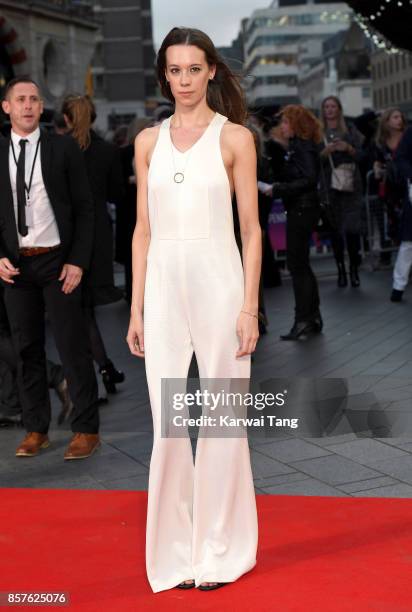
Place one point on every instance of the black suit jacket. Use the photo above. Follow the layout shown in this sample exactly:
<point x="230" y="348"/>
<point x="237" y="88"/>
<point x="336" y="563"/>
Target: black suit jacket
<point x="403" y="160"/>
<point x="68" y="189"/>
<point x="298" y="181"/>
<point x="106" y="183"/>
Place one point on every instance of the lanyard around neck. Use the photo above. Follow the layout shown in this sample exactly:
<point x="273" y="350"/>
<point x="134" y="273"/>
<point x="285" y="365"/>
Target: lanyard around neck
<point x="32" y="167"/>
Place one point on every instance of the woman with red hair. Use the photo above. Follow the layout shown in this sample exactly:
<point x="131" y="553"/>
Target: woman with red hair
<point x="298" y="189"/>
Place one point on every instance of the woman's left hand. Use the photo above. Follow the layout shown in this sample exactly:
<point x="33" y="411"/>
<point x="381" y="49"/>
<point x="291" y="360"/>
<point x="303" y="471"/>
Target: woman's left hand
<point x="343" y="146"/>
<point x="247" y="330"/>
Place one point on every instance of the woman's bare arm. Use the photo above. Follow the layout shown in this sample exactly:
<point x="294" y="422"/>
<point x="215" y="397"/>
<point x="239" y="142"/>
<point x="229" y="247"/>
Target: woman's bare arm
<point x="144" y="145"/>
<point x="244" y="164"/>
<point x="245" y="184"/>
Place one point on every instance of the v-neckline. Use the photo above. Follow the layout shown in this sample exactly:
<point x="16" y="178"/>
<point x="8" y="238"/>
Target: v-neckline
<point x="196" y="141"/>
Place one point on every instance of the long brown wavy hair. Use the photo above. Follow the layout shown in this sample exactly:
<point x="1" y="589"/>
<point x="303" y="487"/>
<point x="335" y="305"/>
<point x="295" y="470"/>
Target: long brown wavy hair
<point x="224" y="92"/>
<point x="303" y="122"/>
<point x="81" y="113"/>
<point x="383" y="132"/>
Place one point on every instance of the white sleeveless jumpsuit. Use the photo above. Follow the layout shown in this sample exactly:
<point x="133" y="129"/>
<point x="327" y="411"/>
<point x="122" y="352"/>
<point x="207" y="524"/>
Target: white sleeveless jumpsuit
<point x="201" y="517"/>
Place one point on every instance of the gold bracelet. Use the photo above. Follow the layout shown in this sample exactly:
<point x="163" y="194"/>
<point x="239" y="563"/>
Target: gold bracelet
<point x="250" y="313"/>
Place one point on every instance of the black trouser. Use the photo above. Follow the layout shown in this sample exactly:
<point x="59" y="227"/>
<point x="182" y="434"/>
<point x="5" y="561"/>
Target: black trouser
<point x="128" y="275"/>
<point x="8" y="356"/>
<point x="299" y="227"/>
<point x="7" y="353"/>
<point x="9" y="400"/>
<point x="35" y="290"/>
<point x="353" y="244"/>
<point x="96" y="341"/>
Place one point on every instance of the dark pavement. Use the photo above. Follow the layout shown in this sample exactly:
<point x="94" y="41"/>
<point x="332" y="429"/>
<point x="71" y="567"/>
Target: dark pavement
<point x="366" y="346"/>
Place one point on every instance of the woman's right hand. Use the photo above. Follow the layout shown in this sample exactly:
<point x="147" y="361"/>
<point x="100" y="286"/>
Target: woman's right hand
<point x="329" y="149"/>
<point x="135" y="338"/>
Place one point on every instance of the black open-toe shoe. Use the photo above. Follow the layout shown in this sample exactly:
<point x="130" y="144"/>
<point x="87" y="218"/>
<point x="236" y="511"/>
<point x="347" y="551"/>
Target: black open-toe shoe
<point x="184" y="585"/>
<point x="211" y="587"/>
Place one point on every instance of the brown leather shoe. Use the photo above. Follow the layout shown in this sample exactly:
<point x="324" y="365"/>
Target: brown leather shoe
<point x="82" y="445"/>
<point x="32" y="444"/>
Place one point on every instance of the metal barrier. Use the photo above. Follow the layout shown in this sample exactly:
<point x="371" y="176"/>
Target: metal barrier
<point x="377" y="244"/>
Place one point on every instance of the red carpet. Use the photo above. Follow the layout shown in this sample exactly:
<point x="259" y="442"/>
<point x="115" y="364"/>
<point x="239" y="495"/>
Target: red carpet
<point x="315" y="553"/>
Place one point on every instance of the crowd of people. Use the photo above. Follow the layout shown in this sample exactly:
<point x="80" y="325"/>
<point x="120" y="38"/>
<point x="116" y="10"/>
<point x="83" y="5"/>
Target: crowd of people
<point x="319" y="166"/>
<point x="193" y="196"/>
<point x="69" y="240"/>
<point x="323" y="166"/>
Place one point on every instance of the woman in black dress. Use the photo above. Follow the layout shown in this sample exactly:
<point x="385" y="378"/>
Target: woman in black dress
<point x="106" y="182"/>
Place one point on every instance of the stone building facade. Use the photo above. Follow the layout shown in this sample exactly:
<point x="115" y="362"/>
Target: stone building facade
<point x="123" y="66"/>
<point x="52" y="41"/>
<point x="392" y="80"/>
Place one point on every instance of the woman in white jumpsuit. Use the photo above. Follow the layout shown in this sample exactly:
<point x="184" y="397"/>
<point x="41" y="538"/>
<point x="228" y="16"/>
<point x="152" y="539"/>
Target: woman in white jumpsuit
<point x="190" y="293"/>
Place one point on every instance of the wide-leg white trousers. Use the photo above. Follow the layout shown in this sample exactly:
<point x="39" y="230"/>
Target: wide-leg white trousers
<point x="201" y="515"/>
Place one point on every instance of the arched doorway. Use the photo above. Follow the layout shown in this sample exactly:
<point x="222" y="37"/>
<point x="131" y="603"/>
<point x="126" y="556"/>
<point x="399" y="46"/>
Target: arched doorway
<point x="13" y="58"/>
<point x="6" y="68"/>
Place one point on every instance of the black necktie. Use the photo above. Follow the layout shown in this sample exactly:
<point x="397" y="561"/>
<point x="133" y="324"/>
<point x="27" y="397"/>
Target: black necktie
<point x="21" y="189"/>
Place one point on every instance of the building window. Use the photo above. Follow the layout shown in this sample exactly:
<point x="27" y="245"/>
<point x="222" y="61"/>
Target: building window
<point x="385" y="97"/>
<point x="273" y="40"/>
<point x="384" y="69"/>
<point x="397" y="63"/>
<point x="379" y="71"/>
<point x="405" y="90"/>
<point x="366" y="92"/>
<point x="398" y="92"/>
<point x="392" y="100"/>
<point x="53" y="75"/>
<point x="98" y="82"/>
<point x="404" y="61"/>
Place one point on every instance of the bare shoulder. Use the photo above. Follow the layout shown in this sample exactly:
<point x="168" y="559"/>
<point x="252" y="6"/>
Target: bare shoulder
<point x="145" y="143"/>
<point x="146" y="139"/>
<point x="236" y="135"/>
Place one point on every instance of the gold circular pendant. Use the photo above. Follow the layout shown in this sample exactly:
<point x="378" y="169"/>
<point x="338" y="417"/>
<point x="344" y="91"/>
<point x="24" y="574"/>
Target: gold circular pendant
<point x="179" y="177"/>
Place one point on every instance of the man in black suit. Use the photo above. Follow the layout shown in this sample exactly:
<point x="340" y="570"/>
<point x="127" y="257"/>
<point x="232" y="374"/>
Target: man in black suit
<point x="46" y="233"/>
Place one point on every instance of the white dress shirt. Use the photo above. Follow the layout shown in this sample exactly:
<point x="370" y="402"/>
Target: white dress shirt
<point x="43" y="231"/>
